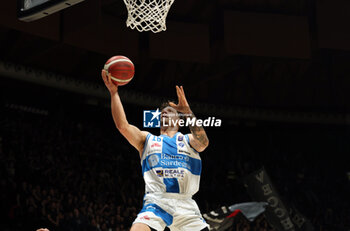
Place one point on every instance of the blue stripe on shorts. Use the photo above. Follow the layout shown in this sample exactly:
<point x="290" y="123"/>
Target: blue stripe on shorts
<point x="158" y="211"/>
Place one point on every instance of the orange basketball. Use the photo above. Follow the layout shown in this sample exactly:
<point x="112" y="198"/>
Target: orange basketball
<point x="121" y="68"/>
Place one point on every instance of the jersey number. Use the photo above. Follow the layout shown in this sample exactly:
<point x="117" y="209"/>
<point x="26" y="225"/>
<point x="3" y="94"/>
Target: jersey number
<point x="155" y="138"/>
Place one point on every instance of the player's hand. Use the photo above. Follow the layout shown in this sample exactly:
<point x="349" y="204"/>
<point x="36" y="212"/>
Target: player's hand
<point x="182" y="105"/>
<point x="112" y="88"/>
<point x="42" y="229"/>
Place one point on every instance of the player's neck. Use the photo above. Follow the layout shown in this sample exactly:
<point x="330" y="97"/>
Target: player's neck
<point x="168" y="131"/>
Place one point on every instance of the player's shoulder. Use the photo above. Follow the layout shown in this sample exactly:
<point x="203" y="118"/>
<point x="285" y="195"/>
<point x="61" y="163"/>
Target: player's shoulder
<point x="185" y="137"/>
<point x="146" y="134"/>
<point x="188" y="137"/>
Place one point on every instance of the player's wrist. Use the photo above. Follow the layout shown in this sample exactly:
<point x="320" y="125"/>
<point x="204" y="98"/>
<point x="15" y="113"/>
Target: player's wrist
<point x="188" y="113"/>
<point x="113" y="92"/>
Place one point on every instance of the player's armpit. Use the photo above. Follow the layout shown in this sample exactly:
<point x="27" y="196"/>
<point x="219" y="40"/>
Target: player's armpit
<point x="135" y="136"/>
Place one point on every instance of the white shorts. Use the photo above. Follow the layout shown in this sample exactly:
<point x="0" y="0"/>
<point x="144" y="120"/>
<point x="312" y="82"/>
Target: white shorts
<point x="178" y="212"/>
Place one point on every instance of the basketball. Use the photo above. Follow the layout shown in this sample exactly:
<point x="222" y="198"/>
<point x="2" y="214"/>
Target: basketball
<point x="121" y="68"/>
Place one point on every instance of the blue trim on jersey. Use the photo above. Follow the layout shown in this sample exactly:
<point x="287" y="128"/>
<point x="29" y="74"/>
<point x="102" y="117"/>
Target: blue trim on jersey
<point x="188" y="141"/>
<point x="145" y="145"/>
<point x="172" y="185"/>
<point x="158" y="211"/>
<point x="172" y="161"/>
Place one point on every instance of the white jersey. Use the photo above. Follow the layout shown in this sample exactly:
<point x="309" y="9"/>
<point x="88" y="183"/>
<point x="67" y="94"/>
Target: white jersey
<point x="170" y="165"/>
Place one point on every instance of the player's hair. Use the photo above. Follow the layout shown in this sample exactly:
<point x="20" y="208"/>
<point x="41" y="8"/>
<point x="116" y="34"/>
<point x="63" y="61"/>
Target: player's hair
<point x="164" y="105"/>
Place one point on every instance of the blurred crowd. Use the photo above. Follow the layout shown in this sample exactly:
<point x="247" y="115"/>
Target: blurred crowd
<point x="79" y="174"/>
<point x="66" y="175"/>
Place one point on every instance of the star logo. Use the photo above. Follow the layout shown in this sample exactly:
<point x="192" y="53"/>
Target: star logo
<point x="151" y="118"/>
<point x="156" y="114"/>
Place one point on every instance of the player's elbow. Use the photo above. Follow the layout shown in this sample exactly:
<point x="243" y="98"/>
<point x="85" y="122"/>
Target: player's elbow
<point x="206" y="144"/>
<point x="203" y="145"/>
<point x="122" y="128"/>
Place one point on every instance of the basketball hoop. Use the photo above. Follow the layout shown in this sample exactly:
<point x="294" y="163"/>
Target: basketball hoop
<point x="147" y="15"/>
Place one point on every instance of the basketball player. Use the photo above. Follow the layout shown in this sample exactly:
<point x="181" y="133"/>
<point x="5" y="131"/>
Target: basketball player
<point x="171" y="166"/>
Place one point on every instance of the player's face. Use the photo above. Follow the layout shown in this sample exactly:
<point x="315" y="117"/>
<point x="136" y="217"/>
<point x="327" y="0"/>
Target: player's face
<point x="169" y="117"/>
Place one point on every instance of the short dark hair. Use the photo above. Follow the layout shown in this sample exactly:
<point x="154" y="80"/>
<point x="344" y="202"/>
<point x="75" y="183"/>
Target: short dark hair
<point x="164" y="105"/>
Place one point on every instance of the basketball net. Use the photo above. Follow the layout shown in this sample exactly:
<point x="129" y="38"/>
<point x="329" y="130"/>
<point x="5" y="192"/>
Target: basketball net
<point x="147" y="15"/>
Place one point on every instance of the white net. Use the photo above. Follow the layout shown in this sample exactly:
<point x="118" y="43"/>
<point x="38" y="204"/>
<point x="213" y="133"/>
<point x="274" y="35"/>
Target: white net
<point x="147" y="15"/>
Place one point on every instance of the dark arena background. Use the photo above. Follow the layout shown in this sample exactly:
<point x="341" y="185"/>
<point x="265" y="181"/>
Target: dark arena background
<point x="277" y="73"/>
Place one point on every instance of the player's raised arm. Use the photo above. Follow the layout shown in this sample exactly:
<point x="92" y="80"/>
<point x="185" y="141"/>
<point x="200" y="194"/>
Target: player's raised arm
<point x="198" y="137"/>
<point x="135" y="136"/>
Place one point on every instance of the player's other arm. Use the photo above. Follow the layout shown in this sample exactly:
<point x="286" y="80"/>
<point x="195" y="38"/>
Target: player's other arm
<point x="198" y="137"/>
<point x="135" y="136"/>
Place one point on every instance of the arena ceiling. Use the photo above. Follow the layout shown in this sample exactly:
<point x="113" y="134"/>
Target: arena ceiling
<point x="283" y="54"/>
